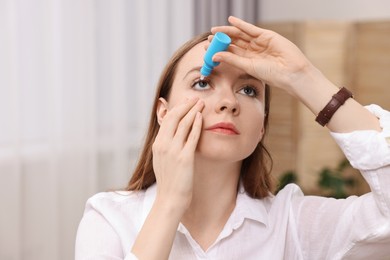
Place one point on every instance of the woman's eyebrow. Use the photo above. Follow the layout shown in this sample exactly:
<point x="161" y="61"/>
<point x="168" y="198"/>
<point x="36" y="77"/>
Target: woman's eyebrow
<point x="246" y="76"/>
<point x="197" y="69"/>
<point x="194" y="69"/>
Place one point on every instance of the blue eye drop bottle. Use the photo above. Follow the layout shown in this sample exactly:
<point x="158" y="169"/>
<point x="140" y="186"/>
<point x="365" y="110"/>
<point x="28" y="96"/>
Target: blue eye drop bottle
<point x="220" y="42"/>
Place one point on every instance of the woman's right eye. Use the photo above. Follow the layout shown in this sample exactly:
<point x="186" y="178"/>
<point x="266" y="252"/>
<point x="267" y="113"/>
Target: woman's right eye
<point x="201" y="85"/>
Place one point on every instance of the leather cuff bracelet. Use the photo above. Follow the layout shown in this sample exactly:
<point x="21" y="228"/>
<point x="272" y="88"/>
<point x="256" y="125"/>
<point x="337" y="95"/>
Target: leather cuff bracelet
<point x="337" y="101"/>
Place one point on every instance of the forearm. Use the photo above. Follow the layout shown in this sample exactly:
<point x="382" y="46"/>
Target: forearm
<point x="155" y="239"/>
<point x="315" y="91"/>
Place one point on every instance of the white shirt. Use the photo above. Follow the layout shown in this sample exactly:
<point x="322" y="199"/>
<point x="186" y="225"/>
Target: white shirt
<point x="286" y="226"/>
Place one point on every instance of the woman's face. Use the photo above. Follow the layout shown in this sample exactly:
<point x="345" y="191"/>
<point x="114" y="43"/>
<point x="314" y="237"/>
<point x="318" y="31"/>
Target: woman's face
<point x="233" y="116"/>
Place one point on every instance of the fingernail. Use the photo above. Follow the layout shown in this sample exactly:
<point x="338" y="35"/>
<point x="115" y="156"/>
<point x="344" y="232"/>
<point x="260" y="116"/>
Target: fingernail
<point x="200" y="104"/>
<point x="199" y="115"/>
<point x="216" y="58"/>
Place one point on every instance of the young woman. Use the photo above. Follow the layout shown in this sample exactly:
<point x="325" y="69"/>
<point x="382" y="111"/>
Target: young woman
<point x="202" y="188"/>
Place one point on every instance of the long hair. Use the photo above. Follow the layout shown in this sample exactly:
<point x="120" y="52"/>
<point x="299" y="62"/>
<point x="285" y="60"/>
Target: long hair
<point x="255" y="169"/>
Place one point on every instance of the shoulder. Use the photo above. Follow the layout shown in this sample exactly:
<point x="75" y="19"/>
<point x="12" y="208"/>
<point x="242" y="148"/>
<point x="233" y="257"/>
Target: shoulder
<point x="120" y="204"/>
<point x="283" y="200"/>
<point x="115" y="199"/>
<point x="287" y="194"/>
<point x="272" y="204"/>
<point x="122" y="210"/>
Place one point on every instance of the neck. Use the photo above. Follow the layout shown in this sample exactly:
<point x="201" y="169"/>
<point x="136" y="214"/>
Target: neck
<point x="213" y="200"/>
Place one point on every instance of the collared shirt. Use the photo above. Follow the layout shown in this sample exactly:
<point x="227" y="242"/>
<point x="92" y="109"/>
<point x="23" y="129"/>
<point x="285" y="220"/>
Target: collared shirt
<point x="286" y="226"/>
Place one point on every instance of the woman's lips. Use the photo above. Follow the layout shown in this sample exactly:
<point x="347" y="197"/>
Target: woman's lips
<point x="224" y="128"/>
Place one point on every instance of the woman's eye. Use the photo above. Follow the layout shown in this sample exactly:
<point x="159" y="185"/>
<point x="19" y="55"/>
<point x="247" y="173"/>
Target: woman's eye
<point x="249" y="91"/>
<point x="201" y="85"/>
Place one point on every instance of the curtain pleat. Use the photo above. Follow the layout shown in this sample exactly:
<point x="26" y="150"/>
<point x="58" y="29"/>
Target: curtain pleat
<point x="211" y="13"/>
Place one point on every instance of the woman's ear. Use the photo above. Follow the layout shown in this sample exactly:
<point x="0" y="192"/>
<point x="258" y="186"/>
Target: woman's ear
<point x="262" y="132"/>
<point x="162" y="109"/>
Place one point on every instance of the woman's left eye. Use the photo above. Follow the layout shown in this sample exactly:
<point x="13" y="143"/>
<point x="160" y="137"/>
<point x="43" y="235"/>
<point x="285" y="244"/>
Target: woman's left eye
<point x="201" y="85"/>
<point x="249" y="91"/>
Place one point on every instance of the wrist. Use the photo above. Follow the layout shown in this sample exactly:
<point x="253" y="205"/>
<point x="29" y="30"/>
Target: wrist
<point x="333" y="105"/>
<point x="171" y="206"/>
<point x="313" y="89"/>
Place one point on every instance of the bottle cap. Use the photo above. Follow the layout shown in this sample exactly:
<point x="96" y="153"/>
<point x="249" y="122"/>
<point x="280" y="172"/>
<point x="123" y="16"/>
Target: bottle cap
<point x="220" y="42"/>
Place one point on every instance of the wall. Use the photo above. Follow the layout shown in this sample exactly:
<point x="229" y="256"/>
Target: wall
<point x="342" y="10"/>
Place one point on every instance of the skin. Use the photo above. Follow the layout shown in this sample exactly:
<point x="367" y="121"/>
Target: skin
<point x="229" y="96"/>
<point x="197" y="170"/>
<point x="268" y="56"/>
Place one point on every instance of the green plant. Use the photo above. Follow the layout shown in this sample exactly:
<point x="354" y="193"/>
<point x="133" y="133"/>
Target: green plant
<point x="286" y="178"/>
<point x="332" y="182"/>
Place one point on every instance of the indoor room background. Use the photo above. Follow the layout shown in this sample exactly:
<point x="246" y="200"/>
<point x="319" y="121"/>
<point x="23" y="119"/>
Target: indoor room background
<point x="77" y="79"/>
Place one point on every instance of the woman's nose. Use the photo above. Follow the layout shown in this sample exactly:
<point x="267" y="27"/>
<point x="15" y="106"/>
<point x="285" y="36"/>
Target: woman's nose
<point x="228" y="103"/>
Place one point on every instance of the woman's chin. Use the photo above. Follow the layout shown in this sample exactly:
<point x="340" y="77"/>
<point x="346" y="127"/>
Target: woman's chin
<point x="220" y="153"/>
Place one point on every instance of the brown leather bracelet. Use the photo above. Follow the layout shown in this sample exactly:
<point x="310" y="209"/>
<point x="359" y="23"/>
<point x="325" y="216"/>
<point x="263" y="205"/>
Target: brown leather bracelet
<point x="337" y="101"/>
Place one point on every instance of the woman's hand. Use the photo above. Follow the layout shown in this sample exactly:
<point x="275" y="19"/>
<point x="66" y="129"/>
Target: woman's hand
<point x="173" y="163"/>
<point x="174" y="152"/>
<point x="278" y="62"/>
<point x="263" y="54"/>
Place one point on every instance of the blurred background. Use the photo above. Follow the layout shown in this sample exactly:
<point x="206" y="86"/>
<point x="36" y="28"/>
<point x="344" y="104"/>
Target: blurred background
<point x="77" y="80"/>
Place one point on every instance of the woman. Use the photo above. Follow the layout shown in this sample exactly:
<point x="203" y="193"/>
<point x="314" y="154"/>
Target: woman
<point x="202" y="187"/>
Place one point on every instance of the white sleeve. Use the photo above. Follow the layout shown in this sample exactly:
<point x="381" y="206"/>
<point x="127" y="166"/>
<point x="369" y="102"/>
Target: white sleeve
<point x="97" y="240"/>
<point x="369" y="152"/>
<point x="356" y="227"/>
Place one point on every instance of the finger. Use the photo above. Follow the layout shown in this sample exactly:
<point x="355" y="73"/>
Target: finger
<point x="172" y="118"/>
<point x="240" y="43"/>
<point x="239" y="50"/>
<point x="186" y="123"/>
<point x="194" y="134"/>
<point x="235" y="43"/>
<point x="245" y="27"/>
<point x="260" y="35"/>
<point x="236" y="50"/>
<point x="232" y="31"/>
<point x="209" y="39"/>
<point x="237" y="61"/>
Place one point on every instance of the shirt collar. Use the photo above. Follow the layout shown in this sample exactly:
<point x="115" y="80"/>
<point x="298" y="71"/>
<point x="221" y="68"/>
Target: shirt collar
<point x="250" y="208"/>
<point x="246" y="207"/>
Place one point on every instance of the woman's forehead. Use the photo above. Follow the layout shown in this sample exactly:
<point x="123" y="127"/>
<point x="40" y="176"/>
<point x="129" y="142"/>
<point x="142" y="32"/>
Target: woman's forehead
<point x="193" y="58"/>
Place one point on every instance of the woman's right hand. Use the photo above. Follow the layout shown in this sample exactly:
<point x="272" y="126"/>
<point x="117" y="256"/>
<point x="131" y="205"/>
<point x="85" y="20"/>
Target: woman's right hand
<point x="174" y="152"/>
<point x="173" y="164"/>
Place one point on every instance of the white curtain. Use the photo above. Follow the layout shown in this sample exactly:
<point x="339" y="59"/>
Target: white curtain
<point x="210" y="13"/>
<point x="77" y="78"/>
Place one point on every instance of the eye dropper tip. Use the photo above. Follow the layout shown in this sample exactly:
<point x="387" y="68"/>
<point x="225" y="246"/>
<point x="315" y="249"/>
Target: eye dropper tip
<point x="202" y="77"/>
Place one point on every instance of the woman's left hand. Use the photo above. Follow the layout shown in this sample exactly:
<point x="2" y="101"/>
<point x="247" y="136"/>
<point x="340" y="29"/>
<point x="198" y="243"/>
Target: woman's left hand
<point x="278" y="62"/>
<point x="263" y="54"/>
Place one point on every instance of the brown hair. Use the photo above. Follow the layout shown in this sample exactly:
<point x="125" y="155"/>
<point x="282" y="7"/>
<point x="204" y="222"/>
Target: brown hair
<point x="255" y="169"/>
